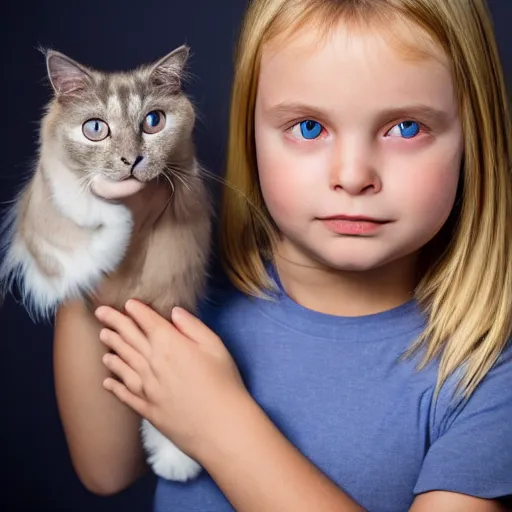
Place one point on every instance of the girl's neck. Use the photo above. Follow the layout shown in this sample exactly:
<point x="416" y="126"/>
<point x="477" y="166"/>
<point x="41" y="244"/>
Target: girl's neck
<point x="347" y="293"/>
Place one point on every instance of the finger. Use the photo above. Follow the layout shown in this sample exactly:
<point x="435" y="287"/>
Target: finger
<point x="147" y="319"/>
<point x="139" y="405"/>
<point x="125" y="327"/>
<point x="125" y="351"/>
<point x="192" y="327"/>
<point x="128" y="376"/>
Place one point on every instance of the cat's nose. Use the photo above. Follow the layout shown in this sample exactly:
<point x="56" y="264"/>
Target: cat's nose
<point x="137" y="160"/>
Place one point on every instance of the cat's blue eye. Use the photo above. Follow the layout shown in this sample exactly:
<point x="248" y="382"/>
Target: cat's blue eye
<point x="405" y="129"/>
<point x="153" y="118"/>
<point x="154" y="122"/>
<point x="95" y="130"/>
<point x="308" y="130"/>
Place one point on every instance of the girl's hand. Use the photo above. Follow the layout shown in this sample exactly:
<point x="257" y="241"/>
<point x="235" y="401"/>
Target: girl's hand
<point x="178" y="375"/>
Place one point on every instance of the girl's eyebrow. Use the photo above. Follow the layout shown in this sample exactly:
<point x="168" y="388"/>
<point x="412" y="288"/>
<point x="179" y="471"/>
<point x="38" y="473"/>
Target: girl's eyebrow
<point x="288" y="109"/>
<point x="425" y="113"/>
<point x="431" y="115"/>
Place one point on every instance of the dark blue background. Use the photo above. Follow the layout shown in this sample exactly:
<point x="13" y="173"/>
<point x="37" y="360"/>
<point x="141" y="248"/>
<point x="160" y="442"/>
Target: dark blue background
<point x="114" y="34"/>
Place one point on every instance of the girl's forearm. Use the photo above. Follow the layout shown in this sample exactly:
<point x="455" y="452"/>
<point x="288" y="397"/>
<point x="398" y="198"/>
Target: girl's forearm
<point x="102" y="433"/>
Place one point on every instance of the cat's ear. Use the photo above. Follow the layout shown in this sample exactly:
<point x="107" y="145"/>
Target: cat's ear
<point x="169" y="70"/>
<point x="66" y="75"/>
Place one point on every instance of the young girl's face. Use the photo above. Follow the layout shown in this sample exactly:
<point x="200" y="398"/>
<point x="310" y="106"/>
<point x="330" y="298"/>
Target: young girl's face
<point x="349" y="128"/>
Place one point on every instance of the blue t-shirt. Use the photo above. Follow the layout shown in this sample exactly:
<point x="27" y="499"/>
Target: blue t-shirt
<point x="336" y="388"/>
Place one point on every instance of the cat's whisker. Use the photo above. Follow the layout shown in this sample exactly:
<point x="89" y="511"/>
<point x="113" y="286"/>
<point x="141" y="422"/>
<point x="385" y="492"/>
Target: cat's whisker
<point x="175" y="172"/>
<point x="208" y="174"/>
<point x="180" y="173"/>
<point x="168" y="178"/>
<point x="84" y="185"/>
<point x="8" y="201"/>
<point x="185" y="184"/>
<point x="81" y="187"/>
<point x="173" y="188"/>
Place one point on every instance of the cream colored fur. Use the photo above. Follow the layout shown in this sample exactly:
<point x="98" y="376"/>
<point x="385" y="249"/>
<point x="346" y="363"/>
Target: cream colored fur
<point x="60" y="240"/>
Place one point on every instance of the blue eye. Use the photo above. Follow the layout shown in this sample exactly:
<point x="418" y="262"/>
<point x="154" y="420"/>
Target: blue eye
<point x="406" y="129"/>
<point x="154" y="122"/>
<point x="153" y="119"/>
<point x="310" y="129"/>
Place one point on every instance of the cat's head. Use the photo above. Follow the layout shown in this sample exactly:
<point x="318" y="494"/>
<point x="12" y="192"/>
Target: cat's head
<point x="117" y="128"/>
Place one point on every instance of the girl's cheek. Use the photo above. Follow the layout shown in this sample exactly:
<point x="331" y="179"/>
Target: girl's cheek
<point x="429" y="196"/>
<point x="279" y="175"/>
<point x="279" y="190"/>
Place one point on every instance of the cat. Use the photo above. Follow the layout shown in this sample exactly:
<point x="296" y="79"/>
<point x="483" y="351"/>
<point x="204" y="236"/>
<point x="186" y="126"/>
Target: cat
<point x="103" y="137"/>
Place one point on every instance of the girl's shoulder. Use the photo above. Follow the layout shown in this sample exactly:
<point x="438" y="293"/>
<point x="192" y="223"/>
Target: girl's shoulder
<point x="471" y="438"/>
<point x="219" y="291"/>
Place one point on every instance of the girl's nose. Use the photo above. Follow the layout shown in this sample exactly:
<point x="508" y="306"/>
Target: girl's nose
<point x="353" y="171"/>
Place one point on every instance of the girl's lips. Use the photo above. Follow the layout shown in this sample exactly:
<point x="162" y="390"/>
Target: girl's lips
<point x="345" y="225"/>
<point x="354" y="218"/>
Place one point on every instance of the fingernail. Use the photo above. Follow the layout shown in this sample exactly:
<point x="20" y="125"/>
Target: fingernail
<point x="176" y="312"/>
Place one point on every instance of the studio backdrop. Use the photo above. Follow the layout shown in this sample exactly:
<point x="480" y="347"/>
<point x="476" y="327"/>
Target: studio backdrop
<point x="110" y="35"/>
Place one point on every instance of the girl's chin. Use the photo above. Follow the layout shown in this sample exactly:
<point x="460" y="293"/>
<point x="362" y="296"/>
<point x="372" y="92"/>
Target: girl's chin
<point x="110" y="189"/>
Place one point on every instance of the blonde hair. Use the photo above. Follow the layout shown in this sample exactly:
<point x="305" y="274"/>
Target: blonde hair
<point x="465" y="287"/>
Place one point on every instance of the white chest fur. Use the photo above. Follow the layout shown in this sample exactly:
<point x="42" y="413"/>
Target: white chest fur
<point x="108" y="227"/>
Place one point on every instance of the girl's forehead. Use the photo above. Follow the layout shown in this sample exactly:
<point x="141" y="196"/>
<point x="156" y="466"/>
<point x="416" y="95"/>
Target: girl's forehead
<point x="356" y="71"/>
<point x="409" y="40"/>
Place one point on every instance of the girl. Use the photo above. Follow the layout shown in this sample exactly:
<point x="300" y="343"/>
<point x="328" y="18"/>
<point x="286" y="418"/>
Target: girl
<point x="357" y="356"/>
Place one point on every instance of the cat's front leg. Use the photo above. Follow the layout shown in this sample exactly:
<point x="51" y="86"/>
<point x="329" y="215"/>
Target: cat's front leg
<point x="30" y="259"/>
<point x="165" y="458"/>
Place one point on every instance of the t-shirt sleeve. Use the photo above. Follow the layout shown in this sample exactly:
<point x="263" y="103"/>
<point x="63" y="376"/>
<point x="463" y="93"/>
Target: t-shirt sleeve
<point x="471" y="448"/>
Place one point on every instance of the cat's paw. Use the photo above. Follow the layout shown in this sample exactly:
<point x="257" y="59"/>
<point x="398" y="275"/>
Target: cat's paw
<point x="172" y="464"/>
<point x="165" y="458"/>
